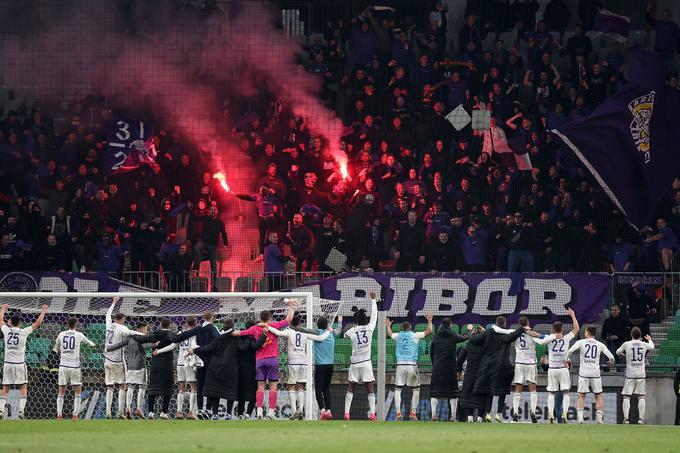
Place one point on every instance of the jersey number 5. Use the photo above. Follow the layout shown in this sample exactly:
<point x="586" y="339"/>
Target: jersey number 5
<point x="13" y="339"/>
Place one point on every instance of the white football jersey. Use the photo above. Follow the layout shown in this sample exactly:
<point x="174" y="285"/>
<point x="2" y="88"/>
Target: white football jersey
<point x="557" y="348"/>
<point x="184" y="347"/>
<point x="589" y="351"/>
<point x="636" y="356"/>
<point x="115" y="333"/>
<point x="525" y="350"/>
<point x="296" y="343"/>
<point x="68" y="345"/>
<point x="15" y="343"/>
<point x="362" y="337"/>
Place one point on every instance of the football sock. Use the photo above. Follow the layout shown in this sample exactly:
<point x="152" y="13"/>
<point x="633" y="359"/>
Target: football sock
<point x="371" y="402"/>
<point x="625" y="405"/>
<point x="415" y="399"/>
<point x="453" y="404"/>
<point x="433" y="403"/>
<point x="272" y="399"/>
<point x="76" y="405"/>
<point x="565" y="404"/>
<point x="641" y="408"/>
<point x="60" y="405"/>
<point x="301" y="400"/>
<point x="397" y="399"/>
<point x="180" y="401"/>
<point x="109" y="400"/>
<point x="533" y="400"/>
<point x="516" y="397"/>
<point x="348" y="401"/>
<point x="292" y="400"/>
<point x="551" y="405"/>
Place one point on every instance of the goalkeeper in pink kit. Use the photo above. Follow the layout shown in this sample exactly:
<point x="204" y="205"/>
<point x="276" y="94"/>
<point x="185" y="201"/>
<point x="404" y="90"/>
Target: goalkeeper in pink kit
<point x="267" y="358"/>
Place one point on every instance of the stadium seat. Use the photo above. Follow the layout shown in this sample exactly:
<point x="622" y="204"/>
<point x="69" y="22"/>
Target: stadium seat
<point x="489" y="42"/>
<point x="244" y="284"/>
<point x="39" y="346"/>
<point x="263" y="284"/>
<point x="94" y="361"/>
<point x="96" y="332"/>
<point x="637" y="38"/>
<point x="223" y="284"/>
<point x="508" y="39"/>
<point x="420" y="327"/>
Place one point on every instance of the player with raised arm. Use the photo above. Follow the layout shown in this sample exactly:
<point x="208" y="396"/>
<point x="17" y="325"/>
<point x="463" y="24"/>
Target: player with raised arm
<point x="267" y="358"/>
<point x="407" y="363"/>
<point x="135" y="370"/>
<point x="559" y="379"/>
<point x="525" y="372"/>
<point x="296" y="346"/>
<point x="589" y="375"/>
<point x="67" y="346"/>
<point x="14" y="368"/>
<point x="114" y="363"/>
<point x="361" y="367"/>
<point x="635" y="352"/>
<point x="186" y="372"/>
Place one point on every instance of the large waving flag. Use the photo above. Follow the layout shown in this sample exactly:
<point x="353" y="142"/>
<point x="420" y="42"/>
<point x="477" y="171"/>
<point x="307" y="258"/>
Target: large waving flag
<point x="612" y="24"/>
<point x="130" y="145"/>
<point x="630" y="142"/>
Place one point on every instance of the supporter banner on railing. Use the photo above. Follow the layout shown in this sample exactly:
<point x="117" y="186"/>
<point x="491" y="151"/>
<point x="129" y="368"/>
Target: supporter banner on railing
<point x="63" y="282"/>
<point x="472" y="297"/>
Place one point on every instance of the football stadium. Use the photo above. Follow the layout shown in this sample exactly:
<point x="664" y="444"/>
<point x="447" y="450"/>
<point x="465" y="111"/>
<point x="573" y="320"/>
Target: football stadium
<point x="344" y="225"/>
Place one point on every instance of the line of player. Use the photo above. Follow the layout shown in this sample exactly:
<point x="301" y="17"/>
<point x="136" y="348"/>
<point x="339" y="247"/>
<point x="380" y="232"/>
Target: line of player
<point x="128" y="372"/>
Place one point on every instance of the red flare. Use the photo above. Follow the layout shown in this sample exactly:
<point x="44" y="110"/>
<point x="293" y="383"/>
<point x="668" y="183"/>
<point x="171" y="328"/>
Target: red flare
<point x="222" y="179"/>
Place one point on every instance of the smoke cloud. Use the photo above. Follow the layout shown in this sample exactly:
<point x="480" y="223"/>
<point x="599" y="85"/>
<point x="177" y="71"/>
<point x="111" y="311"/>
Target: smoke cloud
<point x="166" y="61"/>
<point x="163" y="58"/>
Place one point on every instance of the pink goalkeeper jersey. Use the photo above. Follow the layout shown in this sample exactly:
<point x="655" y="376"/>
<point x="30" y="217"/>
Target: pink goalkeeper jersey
<point x="271" y="344"/>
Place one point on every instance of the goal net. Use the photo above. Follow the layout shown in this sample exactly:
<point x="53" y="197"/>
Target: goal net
<point x="90" y="310"/>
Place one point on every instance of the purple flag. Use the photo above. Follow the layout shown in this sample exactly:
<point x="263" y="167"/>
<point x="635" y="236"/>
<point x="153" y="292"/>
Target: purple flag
<point x="629" y="143"/>
<point x="130" y="144"/>
<point x="615" y="25"/>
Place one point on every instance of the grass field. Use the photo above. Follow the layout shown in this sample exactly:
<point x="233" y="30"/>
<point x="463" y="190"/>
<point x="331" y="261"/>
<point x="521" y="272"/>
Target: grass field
<point x="356" y="437"/>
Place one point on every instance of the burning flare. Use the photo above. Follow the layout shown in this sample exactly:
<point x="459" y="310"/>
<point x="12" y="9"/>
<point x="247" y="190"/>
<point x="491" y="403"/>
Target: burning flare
<point x="343" y="169"/>
<point x="222" y="179"/>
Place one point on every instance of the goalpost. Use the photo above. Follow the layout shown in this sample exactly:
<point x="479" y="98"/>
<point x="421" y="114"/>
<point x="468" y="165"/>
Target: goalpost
<point x="151" y="307"/>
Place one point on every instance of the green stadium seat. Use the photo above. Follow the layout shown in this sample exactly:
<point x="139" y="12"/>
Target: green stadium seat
<point x="94" y="361"/>
<point x="96" y="333"/>
<point x="39" y="346"/>
<point x="33" y="359"/>
<point x="420" y="327"/>
<point x="455" y="328"/>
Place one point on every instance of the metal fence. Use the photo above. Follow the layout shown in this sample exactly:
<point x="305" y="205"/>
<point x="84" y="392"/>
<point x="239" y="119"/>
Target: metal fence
<point x="224" y="281"/>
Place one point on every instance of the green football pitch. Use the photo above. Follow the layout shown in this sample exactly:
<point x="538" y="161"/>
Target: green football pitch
<point x="355" y="437"/>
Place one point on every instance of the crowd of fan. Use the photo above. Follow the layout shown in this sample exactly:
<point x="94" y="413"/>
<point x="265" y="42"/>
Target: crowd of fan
<point x="418" y="194"/>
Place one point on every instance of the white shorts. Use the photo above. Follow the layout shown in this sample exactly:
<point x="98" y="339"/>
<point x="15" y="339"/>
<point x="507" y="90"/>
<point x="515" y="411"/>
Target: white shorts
<point x="297" y="374"/>
<point x="407" y="375"/>
<point x="587" y="385"/>
<point x="361" y="372"/>
<point x="524" y="374"/>
<point x="14" y="374"/>
<point x="114" y="373"/>
<point x="559" y="379"/>
<point x="70" y="376"/>
<point x="634" y="386"/>
<point x="135" y="377"/>
<point x="186" y="373"/>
